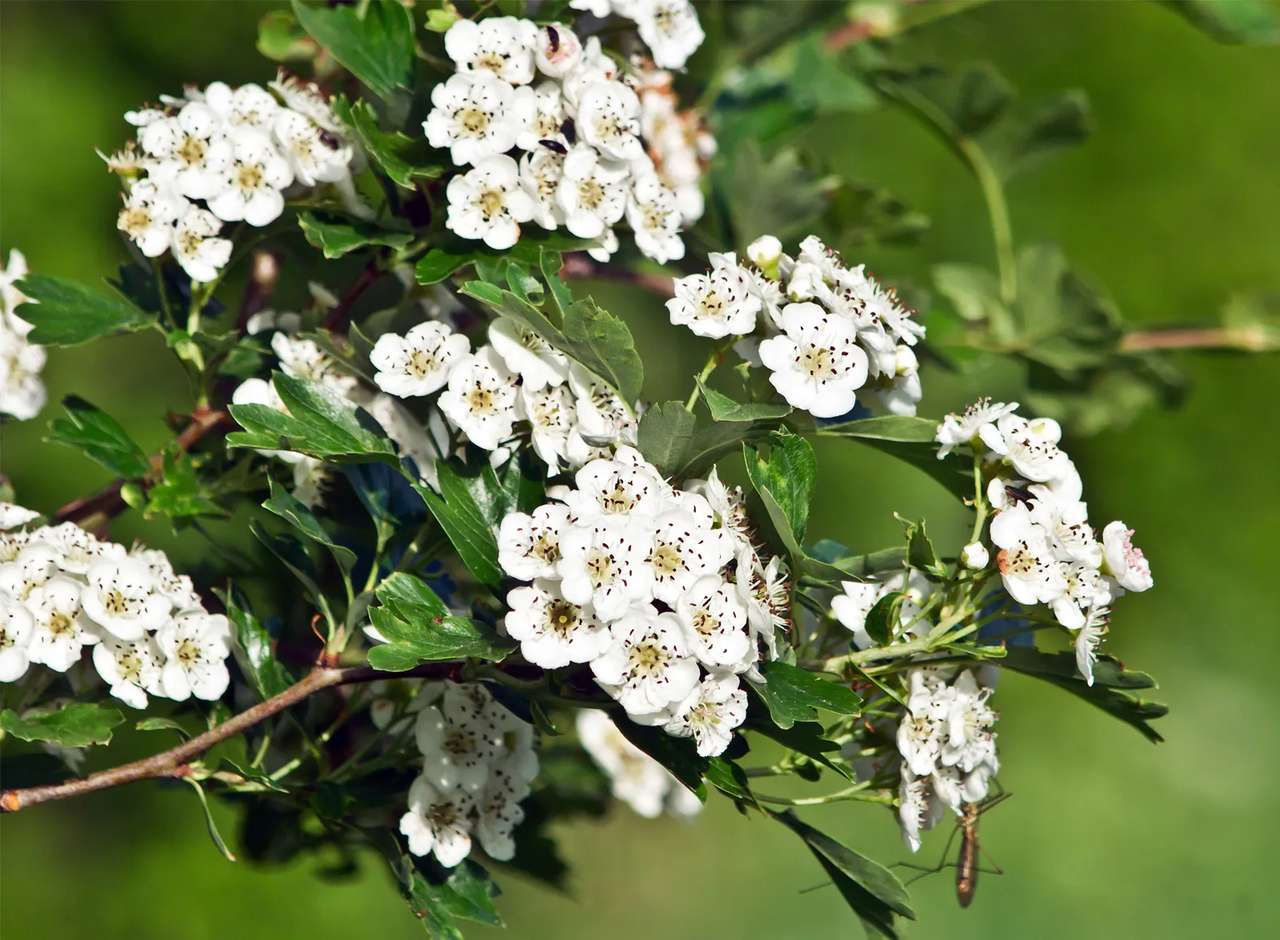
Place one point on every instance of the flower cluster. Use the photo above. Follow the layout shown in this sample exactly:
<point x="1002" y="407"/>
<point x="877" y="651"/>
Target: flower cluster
<point x="62" y="589"/>
<point x="659" y="589"/>
<point x="852" y="606"/>
<point x="1046" y="550"/>
<point x="478" y="760"/>
<point x="575" y="122"/>
<point x="947" y="747"/>
<point x="670" y="28"/>
<point x="635" y="777"/>
<point x="823" y="330"/>
<point x="219" y="155"/>
<point x="22" y="394"/>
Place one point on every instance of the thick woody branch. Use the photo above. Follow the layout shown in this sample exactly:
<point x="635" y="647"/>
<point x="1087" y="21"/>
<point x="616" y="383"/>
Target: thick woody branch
<point x="176" y="762"/>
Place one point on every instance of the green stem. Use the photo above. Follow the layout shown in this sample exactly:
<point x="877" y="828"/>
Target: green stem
<point x="853" y="793"/>
<point x="708" y="367"/>
<point x="998" y="213"/>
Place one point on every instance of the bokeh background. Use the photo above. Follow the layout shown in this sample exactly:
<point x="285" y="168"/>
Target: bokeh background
<point x="1173" y="205"/>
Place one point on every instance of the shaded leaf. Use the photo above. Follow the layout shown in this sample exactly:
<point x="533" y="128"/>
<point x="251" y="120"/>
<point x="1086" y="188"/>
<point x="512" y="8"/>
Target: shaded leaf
<point x="373" y="40"/>
<point x="664" y="434"/>
<point x="793" y="694"/>
<point x="400" y="156"/>
<point x="77" y="724"/>
<point x="337" y="237"/>
<point x="100" y="438"/>
<point x="420" y="628"/>
<point x="253" y="651"/>
<point x="678" y="755"/>
<point x="66" y="313"/>
<point x="297" y="514"/>
<point x="724" y="408"/>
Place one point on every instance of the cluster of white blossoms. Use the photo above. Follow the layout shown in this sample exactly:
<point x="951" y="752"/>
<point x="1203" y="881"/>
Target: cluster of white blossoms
<point x="635" y="778"/>
<point x="22" y="393"/>
<point x="947" y="747"/>
<point x="852" y="607"/>
<point x="574" y="122"/>
<point x="1047" y="552"/>
<point x="516" y="376"/>
<point x="670" y="28"/>
<point x="62" y="589"/>
<point x="478" y="761"/>
<point x="823" y="330"/>
<point x="219" y="155"/>
<point x="659" y="589"/>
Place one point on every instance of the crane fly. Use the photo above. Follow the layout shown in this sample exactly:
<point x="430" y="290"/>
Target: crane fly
<point x="967" y="860"/>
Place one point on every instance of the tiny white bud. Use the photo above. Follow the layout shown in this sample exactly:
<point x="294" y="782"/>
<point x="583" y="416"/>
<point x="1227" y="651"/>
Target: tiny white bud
<point x="975" y="556"/>
<point x="764" y="252"/>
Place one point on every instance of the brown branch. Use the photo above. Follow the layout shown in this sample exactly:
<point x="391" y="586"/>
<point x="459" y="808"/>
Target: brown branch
<point x="582" y="268"/>
<point x="108" y="502"/>
<point x="337" y="317"/>
<point x="1241" y="339"/>
<point x="175" y="763"/>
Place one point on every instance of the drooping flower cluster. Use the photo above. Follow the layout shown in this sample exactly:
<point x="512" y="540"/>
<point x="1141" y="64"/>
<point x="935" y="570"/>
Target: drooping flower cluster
<point x="62" y="589"/>
<point x="635" y="777"/>
<point x="478" y="760"/>
<point x="825" y="332"/>
<point x="219" y="155"/>
<point x="22" y="393"/>
<point x="659" y="589"/>
<point x="575" y="122"/>
<point x="1047" y="552"/>
<point x="947" y="747"/>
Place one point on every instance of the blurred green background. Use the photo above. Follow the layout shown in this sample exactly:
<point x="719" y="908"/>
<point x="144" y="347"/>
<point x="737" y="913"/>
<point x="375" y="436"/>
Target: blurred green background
<point x="1172" y="205"/>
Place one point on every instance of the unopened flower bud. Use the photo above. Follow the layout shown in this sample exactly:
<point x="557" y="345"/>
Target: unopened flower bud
<point x="975" y="556"/>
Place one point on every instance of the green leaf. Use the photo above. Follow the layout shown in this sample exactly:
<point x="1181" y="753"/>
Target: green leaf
<point x="1020" y="142"/>
<point x="253" y="651"/>
<point x="893" y="428"/>
<point x="784" y="480"/>
<point x="66" y="313"/>
<point x="1253" y="22"/>
<point x="803" y="737"/>
<point x="920" y="553"/>
<point x="438" y="263"/>
<point x="777" y="193"/>
<point x="724" y="408"/>
<point x="793" y="694"/>
<point x="910" y="440"/>
<point x="281" y="39"/>
<point x="400" y="156"/>
<point x="974" y="292"/>
<point x="420" y="628"/>
<point x="470" y="529"/>
<point x="603" y="343"/>
<point x="77" y="724"/>
<point x="872" y="891"/>
<point x="337" y="237"/>
<point x="665" y="431"/>
<point x="883" y="619"/>
<point x="219" y="843"/>
<point x="678" y="755"/>
<point x="180" y="493"/>
<point x="100" y="438"/>
<point x="319" y="423"/>
<point x="373" y="41"/>
<point x="961" y="104"/>
<point x="818" y="82"/>
<point x="298" y="515"/>
<point x="468" y="893"/>
<point x="1112" y="684"/>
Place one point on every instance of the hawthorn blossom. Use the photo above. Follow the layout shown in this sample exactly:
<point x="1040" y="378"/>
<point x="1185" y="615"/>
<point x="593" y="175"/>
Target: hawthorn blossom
<point x="11" y="272"/>
<point x="551" y="418"/>
<point x="35" y="563"/>
<point x="437" y="822"/>
<point x="649" y="667"/>
<point x="191" y="149"/>
<point x="958" y="430"/>
<point x="254" y="181"/>
<point x="131" y="668"/>
<point x="619" y="488"/>
<point x="608" y="115"/>
<point x="456" y="748"/>
<point x="1028" y="569"/>
<point x="603" y="417"/>
<point x="557" y="50"/>
<point x="816" y="365"/>
<point x="476" y="116"/>
<point x="670" y="29"/>
<point x="603" y="564"/>
<point x="60" y="630"/>
<point x="682" y="551"/>
<point x="488" y="203"/>
<point x="1088" y="638"/>
<point x="22" y="393"/>
<point x="635" y="778"/>
<point x="419" y="362"/>
<point x="1125" y="561"/>
<point x="710" y="713"/>
<point x="316" y="154"/>
<point x="975" y="556"/>
<point x="16" y="627"/>
<point x="122" y="598"/>
<point x="592" y="194"/>
<point x="716" y="304"/>
<point x="12" y="515"/>
<point x="501" y="45"/>
<point x="1031" y="447"/>
<point x="529" y="545"/>
<point x="148" y="216"/>
<point x="919" y="807"/>
<point x="552" y="631"/>
<point x="481" y="398"/>
<point x="195" y="648"/>
<point x="196" y="247"/>
<point x="540" y="174"/>
<point x="528" y="355"/>
<point x="249" y="106"/>
<point x="654" y="217"/>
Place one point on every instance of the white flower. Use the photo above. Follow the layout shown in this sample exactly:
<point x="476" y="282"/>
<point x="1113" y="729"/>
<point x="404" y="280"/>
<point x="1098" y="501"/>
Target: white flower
<point x="78" y="550"/>
<point x="254" y="181"/>
<point x="316" y="153"/>
<point x="654" y="216"/>
<point x="59" y="628"/>
<point x="130" y="667"/>
<point x="603" y="417"/>
<point x="649" y="667"/>
<point x="919" y="808"/>
<point x="765" y="252"/>
<point x="529" y="545"/>
<point x="608" y="119"/>
<point x="603" y="565"/>
<point x="1066" y="523"/>
<point x="716" y="622"/>
<point x="10" y="297"/>
<point x="122" y="598"/>
<point x="852" y="607"/>
<point x="305" y="359"/>
<point x="816" y="364"/>
<point x="763" y="589"/>
<point x="968" y="740"/>
<point x="499" y="812"/>
<point x="501" y="45"/>
<point x="551" y="416"/>
<point x="713" y="709"/>
<point x="195" y="246"/>
<point x="1030" y="573"/>
<point x="975" y="556"/>
<point x="195" y="649"/>
<point x="22" y="394"/>
<point x="1124" y="560"/>
<point x="958" y="430"/>
<point x="716" y="304"/>
<point x="682" y="551"/>
<point x="919" y="741"/>
<point x="558" y="50"/>
<point x="1089" y="637"/>
<point x="592" y="194"/>
<point x="624" y="487"/>
<point x="670" y="29"/>
<point x="1085" y="587"/>
<point x="35" y="563"/>
<point x="527" y="354"/>
<point x="309" y="100"/>
<point x="540" y="174"/>
<point x="456" y="748"/>
<point x="488" y="203"/>
<point x="148" y="216"/>
<point x="438" y="821"/>
<point x="191" y="149"/>
<point x="15" y="634"/>
<point x="419" y="362"/>
<point x="477" y="116"/>
<point x="12" y="515"/>
<point x="249" y="106"/>
<point x="1031" y="447"/>
<point x="636" y="778"/>
<point x="481" y="398"/>
<point x="552" y="631"/>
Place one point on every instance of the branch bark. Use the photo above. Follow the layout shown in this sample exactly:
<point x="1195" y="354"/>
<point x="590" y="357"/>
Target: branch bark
<point x="1242" y="339"/>
<point x="175" y="763"/>
<point x="337" y="317"/>
<point x="580" y="267"/>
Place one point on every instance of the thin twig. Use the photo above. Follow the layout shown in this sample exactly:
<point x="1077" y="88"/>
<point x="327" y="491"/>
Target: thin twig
<point x="1243" y="339"/>
<point x="581" y="268"/>
<point x="175" y="763"/>
<point x="337" y="317"/>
